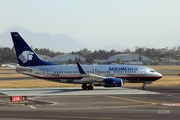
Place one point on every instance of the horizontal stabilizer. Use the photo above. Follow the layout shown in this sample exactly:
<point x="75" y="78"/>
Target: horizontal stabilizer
<point x="33" y="75"/>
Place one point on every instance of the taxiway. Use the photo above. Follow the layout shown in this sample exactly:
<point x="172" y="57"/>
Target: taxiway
<point x="101" y="103"/>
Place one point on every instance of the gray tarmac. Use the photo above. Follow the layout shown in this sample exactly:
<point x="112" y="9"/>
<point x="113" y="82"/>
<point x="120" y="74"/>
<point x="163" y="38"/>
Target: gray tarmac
<point x="101" y="103"/>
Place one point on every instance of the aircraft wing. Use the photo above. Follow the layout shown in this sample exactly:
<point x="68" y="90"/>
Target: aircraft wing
<point x="89" y="77"/>
<point x="92" y="77"/>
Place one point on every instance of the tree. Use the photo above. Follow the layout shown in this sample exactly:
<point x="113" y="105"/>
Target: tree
<point x="46" y="59"/>
<point x="79" y="59"/>
<point x="127" y="51"/>
<point x="140" y="57"/>
<point x="70" y="61"/>
<point x="90" y="60"/>
<point x="76" y="59"/>
<point x="119" y="61"/>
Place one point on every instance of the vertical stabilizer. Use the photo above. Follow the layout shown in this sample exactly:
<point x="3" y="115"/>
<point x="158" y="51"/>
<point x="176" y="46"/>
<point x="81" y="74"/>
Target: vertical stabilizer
<point x="25" y="54"/>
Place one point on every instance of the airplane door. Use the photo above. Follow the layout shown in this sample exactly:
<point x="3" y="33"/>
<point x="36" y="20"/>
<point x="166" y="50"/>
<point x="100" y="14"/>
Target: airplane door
<point x="143" y="72"/>
<point x="46" y="72"/>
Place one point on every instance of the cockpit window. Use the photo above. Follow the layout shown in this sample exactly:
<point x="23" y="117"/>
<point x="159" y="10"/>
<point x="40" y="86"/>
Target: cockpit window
<point x="152" y="71"/>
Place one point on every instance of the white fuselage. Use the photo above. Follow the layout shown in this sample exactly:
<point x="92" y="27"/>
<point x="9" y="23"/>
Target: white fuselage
<point x="70" y="73"/>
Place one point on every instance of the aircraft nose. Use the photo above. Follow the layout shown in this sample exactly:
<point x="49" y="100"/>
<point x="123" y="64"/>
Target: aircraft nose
<point x="159" y="75"/>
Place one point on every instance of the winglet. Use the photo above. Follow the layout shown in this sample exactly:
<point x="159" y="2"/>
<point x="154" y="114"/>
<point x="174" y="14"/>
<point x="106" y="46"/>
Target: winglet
<point x="80" y="69"/>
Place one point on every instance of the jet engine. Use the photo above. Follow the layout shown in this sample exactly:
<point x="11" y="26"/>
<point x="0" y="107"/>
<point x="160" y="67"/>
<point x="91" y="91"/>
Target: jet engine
<point x="111" y="82"/>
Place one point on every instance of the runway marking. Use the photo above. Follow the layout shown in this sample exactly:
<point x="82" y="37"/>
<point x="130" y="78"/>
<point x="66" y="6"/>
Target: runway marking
<point x="32" y="107"/>
<point x="129" y="106"/>
<point x="104" y="107"/>
<point x="131" y="100"/>
<point x="33" y="98"/>
<point x="172" y="104"/>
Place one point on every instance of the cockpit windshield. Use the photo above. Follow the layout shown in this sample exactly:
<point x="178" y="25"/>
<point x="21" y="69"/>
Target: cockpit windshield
<point x="152" y="71"/>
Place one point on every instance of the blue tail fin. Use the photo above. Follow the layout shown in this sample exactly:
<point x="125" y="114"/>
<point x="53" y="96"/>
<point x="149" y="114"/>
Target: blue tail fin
<point x="25" y="55"/>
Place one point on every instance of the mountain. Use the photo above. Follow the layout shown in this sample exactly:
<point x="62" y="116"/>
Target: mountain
<point x="115" y="47"/>
<point x="59" y="42"/>
<point x="65" y="43"/>
<point x="163" y="40"/>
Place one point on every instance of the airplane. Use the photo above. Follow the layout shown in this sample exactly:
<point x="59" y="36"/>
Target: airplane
<point x="87" y="75"/>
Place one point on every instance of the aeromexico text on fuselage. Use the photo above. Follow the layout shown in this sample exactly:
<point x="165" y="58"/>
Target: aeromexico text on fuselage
<point x="123" y="69"/>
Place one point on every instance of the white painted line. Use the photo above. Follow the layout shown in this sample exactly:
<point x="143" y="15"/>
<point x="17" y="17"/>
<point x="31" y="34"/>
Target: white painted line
<point x="32" y="107"/>
<point x="33" y="98"/>
<point x="171" y="104"/>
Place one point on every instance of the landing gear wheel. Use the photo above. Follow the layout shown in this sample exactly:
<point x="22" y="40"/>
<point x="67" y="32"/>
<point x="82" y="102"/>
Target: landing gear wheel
<point x="90" y="87"/>
<point x="84" y="87"/>
<point x="143" y="87"/>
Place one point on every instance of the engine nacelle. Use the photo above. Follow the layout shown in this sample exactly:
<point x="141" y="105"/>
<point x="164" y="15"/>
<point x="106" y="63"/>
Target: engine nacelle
<point x="113" y="82"/>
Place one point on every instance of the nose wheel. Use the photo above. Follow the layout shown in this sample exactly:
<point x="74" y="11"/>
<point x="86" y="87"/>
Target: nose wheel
<point x="143" y="87"/>
<point x="145" y="83"/>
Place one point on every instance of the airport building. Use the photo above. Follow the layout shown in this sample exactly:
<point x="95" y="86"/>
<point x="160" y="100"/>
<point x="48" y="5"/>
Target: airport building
<point x="135" y="59"/>
<point x="64" y="59"/>
<point x="47" y="58"/>
<point x="129" y="59"/>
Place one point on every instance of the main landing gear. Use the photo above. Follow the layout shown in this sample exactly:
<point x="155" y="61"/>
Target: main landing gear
<point x="85" y="87"/>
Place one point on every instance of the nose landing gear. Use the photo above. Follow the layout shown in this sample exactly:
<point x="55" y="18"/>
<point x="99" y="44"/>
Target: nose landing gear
<point x="143" y="87"/>
<point x="145" y="83"/>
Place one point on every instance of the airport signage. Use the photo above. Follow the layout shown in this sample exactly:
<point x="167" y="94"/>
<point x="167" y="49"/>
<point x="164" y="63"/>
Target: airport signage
<point x="16" y="98"/>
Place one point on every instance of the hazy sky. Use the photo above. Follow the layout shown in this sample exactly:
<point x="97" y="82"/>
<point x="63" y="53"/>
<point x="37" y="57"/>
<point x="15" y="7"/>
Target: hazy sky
<point x="89" y="19"/>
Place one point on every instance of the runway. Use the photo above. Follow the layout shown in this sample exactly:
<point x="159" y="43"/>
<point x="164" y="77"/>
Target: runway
<point x="72" y="91"/>
<point x="101" y="103"/>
